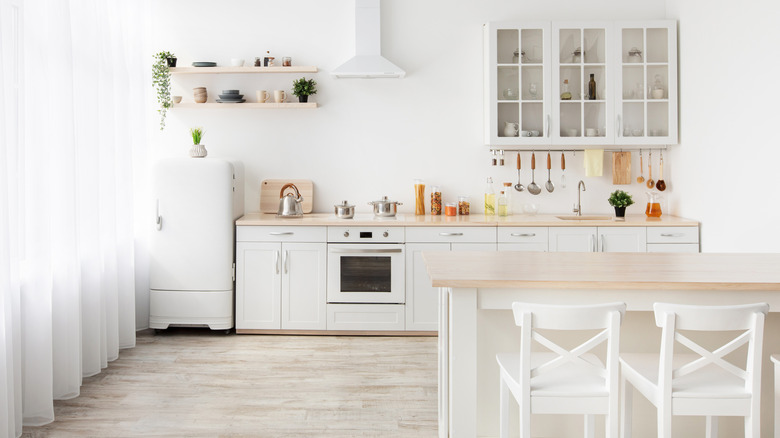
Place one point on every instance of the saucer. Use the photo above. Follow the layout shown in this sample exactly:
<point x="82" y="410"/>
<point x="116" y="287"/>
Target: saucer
<point x="231" y="101"/>
<point x="204" y="64"/>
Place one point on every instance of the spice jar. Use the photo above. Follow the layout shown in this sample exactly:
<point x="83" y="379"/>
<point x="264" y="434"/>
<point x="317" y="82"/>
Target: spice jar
<point x="450" y="209"/>
<point x="463" y="205"/>
<point x="435" y="201"/>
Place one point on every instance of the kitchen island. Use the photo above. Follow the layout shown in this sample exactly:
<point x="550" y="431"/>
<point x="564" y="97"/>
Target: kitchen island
<point x="478" y="288"/>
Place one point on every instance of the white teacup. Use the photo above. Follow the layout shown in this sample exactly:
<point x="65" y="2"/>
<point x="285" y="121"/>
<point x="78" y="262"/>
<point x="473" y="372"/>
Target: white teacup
<point x="534" y="133"/>
<point x="176" y="99"/>
<point x="262" y="96"/>
<point x="572" y="132"/>
<point x="279" y="96"/>
<point x="590" y="132"/>
<point x="525" y="133"/>
<point x="236" y="62"/>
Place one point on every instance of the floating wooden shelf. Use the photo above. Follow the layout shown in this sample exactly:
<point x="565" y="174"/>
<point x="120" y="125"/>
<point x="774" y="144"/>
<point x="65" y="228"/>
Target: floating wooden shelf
<point x="247" y="105"/>
<point x="234" y="70"/>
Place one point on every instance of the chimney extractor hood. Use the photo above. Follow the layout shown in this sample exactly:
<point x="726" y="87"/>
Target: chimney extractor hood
<point x="367" y="62"/>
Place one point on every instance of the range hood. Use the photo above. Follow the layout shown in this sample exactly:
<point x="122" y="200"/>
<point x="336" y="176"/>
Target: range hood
<point x="367" y="62"/>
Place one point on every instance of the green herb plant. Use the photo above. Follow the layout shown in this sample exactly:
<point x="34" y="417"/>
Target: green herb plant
<point x="619" y="198"/>
<point x="197" y="135"/>
<point x="304" y="87"/>
<point x="161" y="79"/>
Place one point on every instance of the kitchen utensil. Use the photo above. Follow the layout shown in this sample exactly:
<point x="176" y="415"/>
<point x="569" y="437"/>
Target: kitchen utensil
<point x="344" y="210"/>
<point x="384" y="207"/>
<point x="621" y="167"/>
<point x="519" y="187"/>
<point x="650" y="182"/>
<point x="563" y="167"/>
<point x="289" y="204"/>
<point x="549" y="184"/>
<point x="269" y="193"/>
<point x="641" y="178"/>
<point x="661" y="184"/>
<point x="533" y="188"/>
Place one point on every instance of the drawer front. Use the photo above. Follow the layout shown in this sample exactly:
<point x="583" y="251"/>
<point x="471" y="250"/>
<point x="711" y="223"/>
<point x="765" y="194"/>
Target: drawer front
<point x="365" y="317"/>
<point x="673" y="247"/>
<point x="280" y="234"/>
<point x="523" y="247"/>
<point x="451" y="234"/>
<point x="672" y="234"/>
<point x="522" y="235"/>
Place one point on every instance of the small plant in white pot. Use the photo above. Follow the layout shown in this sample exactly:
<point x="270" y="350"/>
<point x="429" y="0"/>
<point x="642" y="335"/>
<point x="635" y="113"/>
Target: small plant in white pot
<point x="197" y="150"/>
<point x="620" y="200"/>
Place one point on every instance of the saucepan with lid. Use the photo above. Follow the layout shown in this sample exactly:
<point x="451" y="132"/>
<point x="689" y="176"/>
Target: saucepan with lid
<point x="344" y="210"/>
<point x="384" y="207"/>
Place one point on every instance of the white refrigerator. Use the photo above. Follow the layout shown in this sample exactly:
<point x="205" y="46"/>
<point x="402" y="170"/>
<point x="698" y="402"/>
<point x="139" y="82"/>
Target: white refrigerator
<point x="197" y="201"/>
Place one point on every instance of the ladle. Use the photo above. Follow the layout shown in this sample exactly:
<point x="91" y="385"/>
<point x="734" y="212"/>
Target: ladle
<point x="650" y="182"/>
<point x="533" y="188"/>
<point x="641" y="178"/>
<point x="661" y="184"/>
<point x="519" y="187"/>
<point x="549" y="184"/>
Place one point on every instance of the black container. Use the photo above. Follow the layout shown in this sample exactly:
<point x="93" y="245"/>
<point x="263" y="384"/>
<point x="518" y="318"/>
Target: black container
<point x="620" y="211"/>
<point x="303" y="99"/>
<point x="171" y="62"/>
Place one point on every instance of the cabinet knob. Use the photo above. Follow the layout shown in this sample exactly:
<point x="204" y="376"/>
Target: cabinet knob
<point x="385" y="234"/>
<point x="346" y="233"/>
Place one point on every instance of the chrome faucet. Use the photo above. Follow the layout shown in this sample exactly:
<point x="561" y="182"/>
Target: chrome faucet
<point x="578" y="208"/>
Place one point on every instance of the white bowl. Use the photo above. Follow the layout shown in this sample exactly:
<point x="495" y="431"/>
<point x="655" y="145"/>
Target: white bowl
<point x="236" y="62"/>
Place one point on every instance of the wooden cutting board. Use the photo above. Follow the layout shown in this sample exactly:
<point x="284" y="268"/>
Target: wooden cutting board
<point x="269" y="193"/>
<point x="621" y="167"/>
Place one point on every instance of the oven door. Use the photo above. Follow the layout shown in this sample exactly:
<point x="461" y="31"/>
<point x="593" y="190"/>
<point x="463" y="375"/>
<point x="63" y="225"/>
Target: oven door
<point x="366" y="273"/>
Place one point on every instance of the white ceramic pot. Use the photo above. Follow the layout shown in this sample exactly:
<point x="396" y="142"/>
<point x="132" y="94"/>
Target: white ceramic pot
<point x="198" y="151"/>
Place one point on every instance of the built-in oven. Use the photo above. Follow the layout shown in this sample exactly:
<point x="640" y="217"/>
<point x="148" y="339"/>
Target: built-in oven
<point x="366" y="265"/>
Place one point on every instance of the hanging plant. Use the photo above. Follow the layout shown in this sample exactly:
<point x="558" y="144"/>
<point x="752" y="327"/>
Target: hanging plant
<point x="161" y="79"/>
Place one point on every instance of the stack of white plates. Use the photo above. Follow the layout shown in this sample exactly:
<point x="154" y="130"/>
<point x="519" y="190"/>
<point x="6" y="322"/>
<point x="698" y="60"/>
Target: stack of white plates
<point x="231" y="96"/>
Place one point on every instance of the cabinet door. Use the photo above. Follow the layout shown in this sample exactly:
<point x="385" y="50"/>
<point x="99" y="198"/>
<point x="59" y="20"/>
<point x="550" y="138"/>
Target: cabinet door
<point x="622" y="239"/>
<point x="517" y="85"/>
<point x="422" y="299"/>
<point x="258" y="285"/>
<point x="581" y="50"/>
<point x="645" y="58"/>
<point x="572" y="239"/>
<point x="303" y="286"/>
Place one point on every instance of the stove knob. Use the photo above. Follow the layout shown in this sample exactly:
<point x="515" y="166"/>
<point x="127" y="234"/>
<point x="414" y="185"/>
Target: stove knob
<point x="346" y="233"/>
<point x="385" y="234"/>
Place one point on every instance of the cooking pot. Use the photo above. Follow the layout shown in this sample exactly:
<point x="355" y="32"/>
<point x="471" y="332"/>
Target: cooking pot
<point x="344" y="210"/>
<point x="385" y="207"/>
<point x="289" y="205"/>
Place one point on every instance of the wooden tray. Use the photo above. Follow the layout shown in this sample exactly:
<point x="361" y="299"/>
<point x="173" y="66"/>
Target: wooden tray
<point x="269" y="193"/>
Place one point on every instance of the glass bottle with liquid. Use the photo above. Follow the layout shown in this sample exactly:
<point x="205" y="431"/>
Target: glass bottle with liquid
<point x="503" y="204"/>
<point x="653" y="205"/>
<point x="565" y="93"/>
<point x="490" y="198"/>
<point x="592" y="88"/>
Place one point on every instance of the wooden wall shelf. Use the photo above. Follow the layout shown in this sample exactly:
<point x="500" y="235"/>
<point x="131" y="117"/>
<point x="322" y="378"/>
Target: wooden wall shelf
<point x="241" y="70"/>
<point x="246" y="105"/>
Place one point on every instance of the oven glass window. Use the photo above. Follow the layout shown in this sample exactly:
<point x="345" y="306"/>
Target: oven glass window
<point x="365" y="274"/>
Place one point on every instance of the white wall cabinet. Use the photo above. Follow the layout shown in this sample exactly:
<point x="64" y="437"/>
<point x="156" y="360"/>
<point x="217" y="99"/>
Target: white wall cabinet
<point x="527" y="64"/>
<point x="281" y="285"/>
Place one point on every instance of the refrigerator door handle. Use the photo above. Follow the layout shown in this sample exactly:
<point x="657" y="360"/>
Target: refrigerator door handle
<point x="159" y="218"/>
<point x="276" y="261"/>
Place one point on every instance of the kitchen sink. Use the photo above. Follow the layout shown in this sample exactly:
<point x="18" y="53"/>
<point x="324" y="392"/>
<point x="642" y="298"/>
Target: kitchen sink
<point x="584" y="218"/>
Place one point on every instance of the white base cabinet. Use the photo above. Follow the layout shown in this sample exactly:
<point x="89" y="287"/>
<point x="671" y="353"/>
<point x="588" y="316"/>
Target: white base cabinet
<point x="598" y="239"/>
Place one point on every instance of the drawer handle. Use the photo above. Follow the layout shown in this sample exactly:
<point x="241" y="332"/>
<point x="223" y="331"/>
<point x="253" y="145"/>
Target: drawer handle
<point x="672" y="234"/>
<point x="523" y="234"/>
<point x="282" y="233"/>
<point x="450" y="234"/>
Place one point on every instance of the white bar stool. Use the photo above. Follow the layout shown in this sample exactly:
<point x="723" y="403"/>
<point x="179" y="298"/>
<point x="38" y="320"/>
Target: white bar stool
<point x="776" y="359"/>
<point x="563" y="381"/>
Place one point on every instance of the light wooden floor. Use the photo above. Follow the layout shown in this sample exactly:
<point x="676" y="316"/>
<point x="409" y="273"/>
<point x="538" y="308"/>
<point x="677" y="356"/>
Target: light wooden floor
<point x="196" y="383"/>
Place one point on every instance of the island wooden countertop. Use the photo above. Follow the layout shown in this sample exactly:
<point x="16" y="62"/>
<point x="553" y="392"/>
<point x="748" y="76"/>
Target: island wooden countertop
<point x="637" y="271"/>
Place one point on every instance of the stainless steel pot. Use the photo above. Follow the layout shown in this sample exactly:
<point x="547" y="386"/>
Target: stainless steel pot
<point x="344" y="210"/>
<point x="385" y="207"/>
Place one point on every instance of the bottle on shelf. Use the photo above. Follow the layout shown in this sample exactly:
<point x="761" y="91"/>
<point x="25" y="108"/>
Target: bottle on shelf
<point x="502" y="204"/>
<point x="490" y="198"/>
<point x="592" y="88"/>
<point x="565" y="93"/>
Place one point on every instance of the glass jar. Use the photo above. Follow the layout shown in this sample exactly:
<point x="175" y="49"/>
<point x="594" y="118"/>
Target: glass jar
<point x="653" y="205"/>
<point x="634" y="55"/>
<point x="435" y="201"/>
<point x="419" y="197"/>
<point x="451" y="209"/>
<point x="463" y="205"/>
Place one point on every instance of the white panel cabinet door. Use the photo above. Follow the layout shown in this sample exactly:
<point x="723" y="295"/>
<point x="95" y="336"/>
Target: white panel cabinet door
<point x="622" y="239"/>
<point x="572" y="239"/>
<point x="303" y="286"/>
<point x="422" y="299"/>
<point x="258" y="285"/>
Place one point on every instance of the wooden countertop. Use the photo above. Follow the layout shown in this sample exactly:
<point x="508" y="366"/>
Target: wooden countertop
<point x="636" y="271"/>
<point x="473" y="220"/>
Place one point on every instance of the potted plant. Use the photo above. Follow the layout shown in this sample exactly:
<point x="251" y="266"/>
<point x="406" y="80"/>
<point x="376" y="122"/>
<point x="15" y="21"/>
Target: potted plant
<point x="197" y="150"/>
<point x="620" y="200"/>
<point x="303" y="88"/>
<point x="161" y="79"/>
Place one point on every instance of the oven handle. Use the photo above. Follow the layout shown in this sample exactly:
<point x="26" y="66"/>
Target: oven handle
<point x="365" y="251"/>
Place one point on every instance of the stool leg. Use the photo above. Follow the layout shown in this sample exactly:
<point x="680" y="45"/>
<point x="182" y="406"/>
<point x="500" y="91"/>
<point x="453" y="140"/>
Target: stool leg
<point x="504" y="410"/>
<point x="626" y="395"/>
<point x="590" y="426"/>
<point x="712" y="427"/>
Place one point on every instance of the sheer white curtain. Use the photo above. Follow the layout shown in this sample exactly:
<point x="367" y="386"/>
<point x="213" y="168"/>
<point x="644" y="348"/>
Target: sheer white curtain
<point x="67" y="146"/>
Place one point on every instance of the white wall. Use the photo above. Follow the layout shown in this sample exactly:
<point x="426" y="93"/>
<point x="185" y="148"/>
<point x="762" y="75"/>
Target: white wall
<point x="369" y="137"/>
<point x="725" y="172"/>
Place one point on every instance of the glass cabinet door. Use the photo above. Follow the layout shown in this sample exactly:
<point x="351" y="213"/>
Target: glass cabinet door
<point x="582" y="99"/>
<point x="646" y="82"/>
<point x="517" y="84"/>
